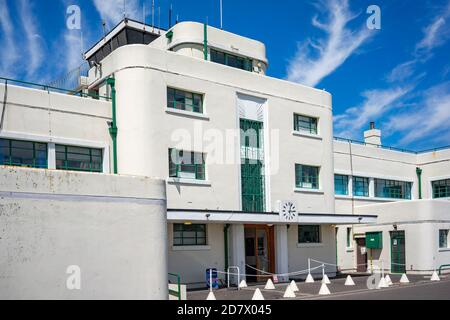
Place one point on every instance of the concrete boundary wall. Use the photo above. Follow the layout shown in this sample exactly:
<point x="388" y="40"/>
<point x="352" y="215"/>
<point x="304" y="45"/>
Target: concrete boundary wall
<point x="59" y="231"/>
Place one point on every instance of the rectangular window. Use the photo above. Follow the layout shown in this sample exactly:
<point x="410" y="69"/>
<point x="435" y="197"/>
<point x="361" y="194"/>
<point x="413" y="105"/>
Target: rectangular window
<point x="392" y="189"/>
<point x="79" y="159"/>
<point x="184" y="100"/>
<point x="349" y="237"/>
<point x="360" y="187"/>
<point x="186" y="165"/>
<point x="441" y="189"/>
<point x="189" y="235"/>
<point x="305" y="124"/>
<point x="309" y="234"/>
<point x="23" y="153"/>
<point x="306" y="177"/>
<point x="443" y="239"/>
<point x="340" y="184"/>
<point x="231" y="60"/>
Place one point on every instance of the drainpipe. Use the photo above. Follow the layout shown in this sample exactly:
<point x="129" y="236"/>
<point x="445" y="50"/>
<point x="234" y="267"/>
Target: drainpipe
<point x="205" y="41"/>
<point x="419" y="178"/>
<point x="225" y="241"/>
<point x="113" y="127"/>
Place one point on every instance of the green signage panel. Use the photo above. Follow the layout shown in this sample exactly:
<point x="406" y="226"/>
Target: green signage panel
<point x="374" y="240"/>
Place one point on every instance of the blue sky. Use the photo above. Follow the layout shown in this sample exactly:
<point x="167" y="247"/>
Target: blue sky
<point x="398" y="76"/>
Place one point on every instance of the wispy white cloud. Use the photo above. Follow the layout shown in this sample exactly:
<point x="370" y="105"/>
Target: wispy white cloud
<point x="429" y="120"/>
<point x="112" y="11"/>
<point x="7" y="57"/>
<point x="33" y="38"/>
<point x="402" y="72"/>
<point x="436" y="33"/>
<point x="316" y="59"/>
<point x="376" y="103"/>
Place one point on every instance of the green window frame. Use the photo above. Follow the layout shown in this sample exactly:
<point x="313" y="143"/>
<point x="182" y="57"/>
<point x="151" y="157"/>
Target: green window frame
<point x="184" y="100"/>
<point x="392" y="189"/>
<point x="360" y="186"/>
<point x="187" y="165"/>
<point x="443" y="239"/>
<point x="309" y="234"/>
<point x="189" y="235"/>
<point x="22" y="153"/>
<point x="441" y="189"/>
<point x="231" y="60"/>
<point x="75" y="158"/>
<point x="341" y="184"/>
<point x="307" y="177"/>
<point x="305" y="124"/>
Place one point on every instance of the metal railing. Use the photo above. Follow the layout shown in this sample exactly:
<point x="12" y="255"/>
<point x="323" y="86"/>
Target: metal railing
<point x="389" y="147"/>
<point x="173" y="292"/>
<point x="444" y="266"/>
<point x="48" y="88"/>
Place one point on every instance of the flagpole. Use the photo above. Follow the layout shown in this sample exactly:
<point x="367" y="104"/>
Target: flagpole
<point x="221" y="14"/>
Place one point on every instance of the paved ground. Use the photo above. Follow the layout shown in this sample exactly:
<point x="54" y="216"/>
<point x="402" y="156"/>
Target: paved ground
<point x="420" y="287"/>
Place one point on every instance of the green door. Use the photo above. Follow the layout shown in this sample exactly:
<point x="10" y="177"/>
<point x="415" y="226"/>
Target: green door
<point x="398" y="259"/>
<point x="252" y="168"/>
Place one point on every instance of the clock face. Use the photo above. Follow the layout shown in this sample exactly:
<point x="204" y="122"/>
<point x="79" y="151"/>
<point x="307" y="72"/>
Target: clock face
<point x="288" y="210"/>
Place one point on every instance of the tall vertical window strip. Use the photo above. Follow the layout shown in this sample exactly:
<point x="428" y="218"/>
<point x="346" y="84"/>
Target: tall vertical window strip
<point x="306" y="177"/>
<point x="392" y="189"/>
<point x="349" y="237"/>
<point x="340" y="184"/>
<point x="309" y="234"/>
<point x="79" y="159"/>
<point x="186" y="165"/>
<point x="189" y="235"/>
<point x="23" y="153"/>
<point x="231" y="60"/>
<point x="443" y="239"/>
<point x="305" y="124"/>
<point x="360" y="187"/>
<point x="441" y="189"/>
<point x="184" y="100"/>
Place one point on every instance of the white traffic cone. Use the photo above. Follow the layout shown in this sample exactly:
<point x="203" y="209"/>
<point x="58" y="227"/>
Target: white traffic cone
<point x="211" y="296"/>
<point x="289" y="293"/>
<point x="257" y="295"/>
<point x="382" y="283"/>
<point x="243" y="284"/>
<point x="404" y="279"/>
<point x="309" y="278"/>
<point x="435" y="277"/>
<point x="325" y="279"/>
<point x="294" y="286"/>
<point x="349" y="281"/>
<point x="269" y="285"/>
<point x="388" y="280"/>
<point x="324" y="290"/>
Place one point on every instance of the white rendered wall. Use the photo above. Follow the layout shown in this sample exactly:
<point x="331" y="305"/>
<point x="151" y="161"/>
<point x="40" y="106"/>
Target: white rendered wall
<point x="191" y="262"/>
<point x="112" y="227"/>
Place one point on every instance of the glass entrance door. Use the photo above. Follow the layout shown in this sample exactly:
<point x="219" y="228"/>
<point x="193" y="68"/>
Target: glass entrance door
<point x="258" y="252"/>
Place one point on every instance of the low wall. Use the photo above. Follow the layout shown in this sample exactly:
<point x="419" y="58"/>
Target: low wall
<point x="67" y="235"/>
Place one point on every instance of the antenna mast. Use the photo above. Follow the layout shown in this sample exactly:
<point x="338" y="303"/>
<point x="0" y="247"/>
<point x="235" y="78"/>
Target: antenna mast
<point x="221" y="15"/>
<point x="153" y="14"/>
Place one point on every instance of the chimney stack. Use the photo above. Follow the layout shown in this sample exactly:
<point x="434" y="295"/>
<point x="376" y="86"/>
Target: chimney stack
<point x="372" y="136"/>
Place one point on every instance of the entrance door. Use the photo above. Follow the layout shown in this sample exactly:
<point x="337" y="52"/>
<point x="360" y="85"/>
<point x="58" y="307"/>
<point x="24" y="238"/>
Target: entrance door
<point x="398" y="259"/>
<point x="361" y="255"/>
<point x="259" y="252"/>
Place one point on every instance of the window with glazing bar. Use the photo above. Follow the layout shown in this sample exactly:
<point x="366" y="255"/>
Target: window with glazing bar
<point x="309" y="234"/>
<point x="184" y="100"/>
<point x="305" y="124"/>
<point x="392" y="189"/>
<point x="23" y="153"/>
<point x="340" y="184"/>
<point x="186" y="164"/>
<point x="360" y="187"/>
<point x="79" y="158"/>
<point x="441" y="189"/>
<point x="306" y="177"/>
<point x="231" y="60"/>
<point x="443" y="239"/>
<point x="189" y="234"/>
